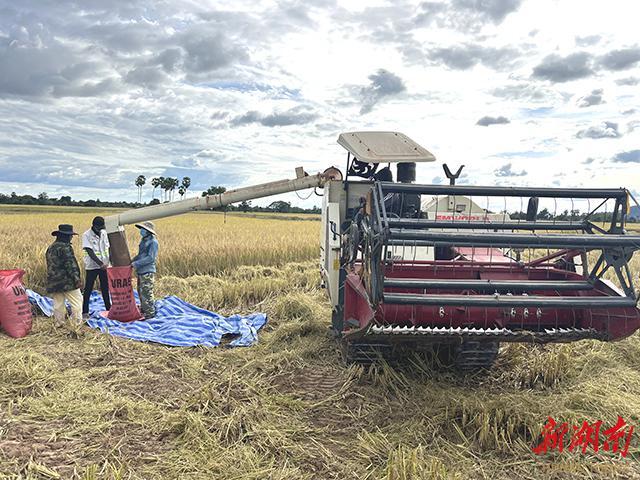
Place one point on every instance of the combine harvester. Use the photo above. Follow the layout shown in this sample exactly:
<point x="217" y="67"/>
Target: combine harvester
<point x="408" y="266"/>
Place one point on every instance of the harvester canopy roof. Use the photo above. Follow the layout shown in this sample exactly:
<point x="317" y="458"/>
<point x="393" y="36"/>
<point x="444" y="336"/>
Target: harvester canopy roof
<point x="384" y="147"/>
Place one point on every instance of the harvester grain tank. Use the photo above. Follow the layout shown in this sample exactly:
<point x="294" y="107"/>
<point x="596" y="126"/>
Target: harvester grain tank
<point x="408" y="266"/>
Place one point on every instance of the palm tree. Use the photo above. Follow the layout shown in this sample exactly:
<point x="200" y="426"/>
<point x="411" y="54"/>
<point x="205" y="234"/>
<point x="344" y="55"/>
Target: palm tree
<point x="169" y="188"/>
<point x="174" y="183"/>
<point x="163" y="187"/>
<point x="140" y="181"/>
<point x="181" y="191"/>
<point x="186" y="183"/>
<point x="166" y="183"/>
<point x="155" y="183"/>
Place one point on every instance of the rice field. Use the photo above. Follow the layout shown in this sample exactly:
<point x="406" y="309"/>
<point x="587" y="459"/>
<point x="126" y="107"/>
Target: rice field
<point x="76" y="404"/>
<point x="194" y="244"/>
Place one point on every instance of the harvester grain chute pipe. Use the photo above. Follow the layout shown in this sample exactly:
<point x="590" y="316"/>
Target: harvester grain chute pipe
<point x="155" y="212"/>
<point x="114" y="223"/>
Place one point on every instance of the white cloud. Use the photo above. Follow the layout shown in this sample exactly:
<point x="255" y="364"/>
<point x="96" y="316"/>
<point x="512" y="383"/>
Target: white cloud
<point x="594" y="98"/>
<point x="603" y="130"/>
<point x="242" y="92"/>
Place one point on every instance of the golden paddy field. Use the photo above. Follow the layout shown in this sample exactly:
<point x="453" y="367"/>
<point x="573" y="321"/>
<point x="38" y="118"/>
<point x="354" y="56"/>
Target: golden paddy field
<point x="75" y="403"/>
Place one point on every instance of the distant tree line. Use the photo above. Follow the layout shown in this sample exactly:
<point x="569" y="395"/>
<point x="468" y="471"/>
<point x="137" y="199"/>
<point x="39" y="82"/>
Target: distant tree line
<point x="278" y="206"/>
<point x="66" y="201"/>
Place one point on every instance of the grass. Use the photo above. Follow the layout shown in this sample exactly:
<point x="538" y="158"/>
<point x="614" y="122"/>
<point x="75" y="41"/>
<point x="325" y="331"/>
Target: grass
<point x="77" y="404"/>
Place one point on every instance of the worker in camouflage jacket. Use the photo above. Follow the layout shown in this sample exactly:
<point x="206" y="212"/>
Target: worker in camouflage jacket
<point x="145" y="265"/>
<point x="63" y="275"/>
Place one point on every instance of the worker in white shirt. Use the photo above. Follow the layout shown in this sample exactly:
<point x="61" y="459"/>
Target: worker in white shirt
<point x="95" y="244"/>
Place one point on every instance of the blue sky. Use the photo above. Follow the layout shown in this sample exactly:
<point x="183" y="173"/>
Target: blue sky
<point x="525" y="92"/>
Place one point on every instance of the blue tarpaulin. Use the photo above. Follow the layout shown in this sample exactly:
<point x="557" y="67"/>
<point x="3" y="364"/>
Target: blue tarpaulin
<point x="176" y="323"/>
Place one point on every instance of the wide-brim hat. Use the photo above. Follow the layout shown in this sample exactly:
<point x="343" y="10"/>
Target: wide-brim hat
<point x="64" y="229"/>
<point x="148" y="226"/>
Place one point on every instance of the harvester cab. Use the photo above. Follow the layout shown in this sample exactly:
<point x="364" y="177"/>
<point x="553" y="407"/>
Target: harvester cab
<point x="410" y="265"/>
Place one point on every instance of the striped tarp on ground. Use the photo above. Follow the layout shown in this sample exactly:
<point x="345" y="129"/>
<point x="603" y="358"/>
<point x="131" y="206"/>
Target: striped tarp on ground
<point x="176" y="323"/>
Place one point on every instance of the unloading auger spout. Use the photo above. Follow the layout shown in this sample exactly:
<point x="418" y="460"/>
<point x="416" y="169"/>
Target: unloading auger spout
<point x="115" y="223"/>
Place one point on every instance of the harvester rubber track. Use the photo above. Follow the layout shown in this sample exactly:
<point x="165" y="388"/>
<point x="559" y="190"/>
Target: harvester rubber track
<point x="364" y="353"/>
<point x="473" y="355"/>
<point x="466" y="356"/>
